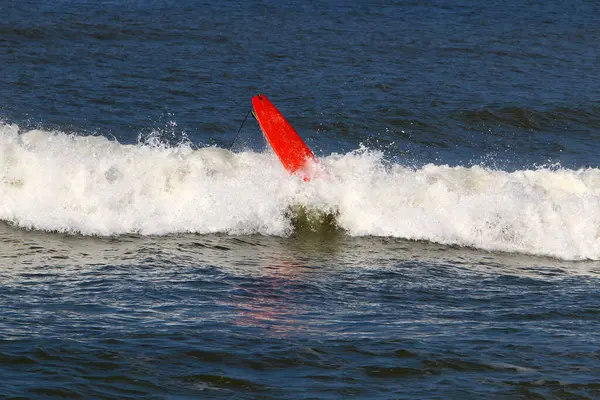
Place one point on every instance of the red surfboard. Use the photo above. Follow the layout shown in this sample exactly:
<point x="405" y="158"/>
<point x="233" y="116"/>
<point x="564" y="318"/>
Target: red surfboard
<point x="293" y="153"/>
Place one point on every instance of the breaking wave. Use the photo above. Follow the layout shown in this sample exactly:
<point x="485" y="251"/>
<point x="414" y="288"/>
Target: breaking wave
<point x="91" y="185"/>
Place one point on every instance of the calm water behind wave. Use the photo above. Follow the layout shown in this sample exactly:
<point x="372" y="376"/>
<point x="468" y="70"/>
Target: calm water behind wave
<point x="350" y="309"/>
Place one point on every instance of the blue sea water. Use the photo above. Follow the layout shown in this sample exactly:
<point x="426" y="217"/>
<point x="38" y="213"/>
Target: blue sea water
<point x="450" y="249"/>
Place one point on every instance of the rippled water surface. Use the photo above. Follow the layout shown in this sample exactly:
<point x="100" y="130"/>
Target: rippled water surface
<point x="449" y="249"/>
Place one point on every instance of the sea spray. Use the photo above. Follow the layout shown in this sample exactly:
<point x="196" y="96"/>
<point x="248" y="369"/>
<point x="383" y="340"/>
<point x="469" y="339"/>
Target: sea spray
<point x="95" y="186"/>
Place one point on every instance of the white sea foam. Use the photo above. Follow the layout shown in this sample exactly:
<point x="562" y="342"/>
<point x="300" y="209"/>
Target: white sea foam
<point x="95" y="186"/>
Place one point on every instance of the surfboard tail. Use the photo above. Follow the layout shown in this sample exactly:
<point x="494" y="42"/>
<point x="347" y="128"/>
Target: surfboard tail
<point x="294" y="154"/>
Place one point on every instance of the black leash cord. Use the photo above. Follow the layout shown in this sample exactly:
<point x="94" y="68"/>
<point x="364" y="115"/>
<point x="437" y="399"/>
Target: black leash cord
<point x="239" y="130"/>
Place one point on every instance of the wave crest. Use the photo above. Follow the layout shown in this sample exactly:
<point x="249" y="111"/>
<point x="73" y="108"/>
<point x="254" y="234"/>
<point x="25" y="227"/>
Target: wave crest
<point x="94" y="186"/>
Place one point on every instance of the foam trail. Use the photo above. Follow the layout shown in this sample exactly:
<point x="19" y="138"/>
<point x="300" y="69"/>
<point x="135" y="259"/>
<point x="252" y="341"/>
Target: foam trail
<point x="543" y="211"/>
<point x="93" y="186"/>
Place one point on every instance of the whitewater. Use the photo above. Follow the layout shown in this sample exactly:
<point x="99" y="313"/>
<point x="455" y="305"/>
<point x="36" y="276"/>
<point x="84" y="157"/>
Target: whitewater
<point x="92" y="185"/>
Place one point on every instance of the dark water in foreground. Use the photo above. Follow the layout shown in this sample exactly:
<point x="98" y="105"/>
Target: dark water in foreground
<point x="256" y="317"/>
<point x="451" y="251"/>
